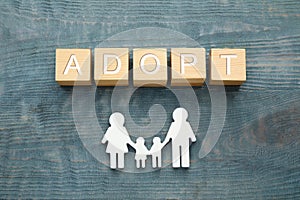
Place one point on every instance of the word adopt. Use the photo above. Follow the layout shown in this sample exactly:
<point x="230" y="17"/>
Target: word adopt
<point x="188" y="67"/>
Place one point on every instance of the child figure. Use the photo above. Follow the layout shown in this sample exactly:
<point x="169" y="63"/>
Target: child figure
<point x="141" y="152"/>
<point x="155" y="152"/>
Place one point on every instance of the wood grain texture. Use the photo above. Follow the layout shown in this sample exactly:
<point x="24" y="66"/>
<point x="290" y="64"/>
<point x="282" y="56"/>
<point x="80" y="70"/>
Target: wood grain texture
<point x="257" y="156"/>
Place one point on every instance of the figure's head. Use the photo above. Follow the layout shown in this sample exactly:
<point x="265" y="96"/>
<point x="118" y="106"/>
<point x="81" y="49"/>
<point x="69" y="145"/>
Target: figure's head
<point x="117" y="119"/>
<point x="180" y="114"/>
<point x="140" y="140"/>
<point x="156" y="140"/>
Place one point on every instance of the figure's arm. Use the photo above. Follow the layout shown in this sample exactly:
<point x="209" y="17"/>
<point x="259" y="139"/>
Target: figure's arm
<point x="193" y="138"/>
<point x="129" y="141"/>
<point x="104" y="140"/>
<point x="150" y="151"/>
<point x="106" y="136"/>
<point x="165" y="142"/>
<point x="192" y="135"/>
<point x="168" y="137"/>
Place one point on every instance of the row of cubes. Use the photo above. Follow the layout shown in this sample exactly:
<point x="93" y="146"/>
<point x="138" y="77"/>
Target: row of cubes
<point x="150" y="67"/>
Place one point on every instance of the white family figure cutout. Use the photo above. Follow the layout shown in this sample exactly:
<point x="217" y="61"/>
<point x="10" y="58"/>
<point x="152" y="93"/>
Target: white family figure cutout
<point x="155" y="152"/>
<point x="180" y="133"/>
<point x="117" y="138"/>
<point x="141" y="152"/>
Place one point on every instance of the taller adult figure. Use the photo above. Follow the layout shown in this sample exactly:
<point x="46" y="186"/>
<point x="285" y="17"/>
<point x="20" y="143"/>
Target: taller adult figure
<point x="181" y="133"/>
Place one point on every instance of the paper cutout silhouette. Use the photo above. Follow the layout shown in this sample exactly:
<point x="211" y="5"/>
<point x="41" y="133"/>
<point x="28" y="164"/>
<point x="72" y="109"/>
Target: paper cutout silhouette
<point x="141" y="152"/>
<point x="155" y="152"/>
<point x="117" y="138"/>
<point x="180" y="133"/>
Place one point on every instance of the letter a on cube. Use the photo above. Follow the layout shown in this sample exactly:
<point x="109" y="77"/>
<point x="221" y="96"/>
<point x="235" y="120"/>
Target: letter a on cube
<point x="188" y="66"/>
<point x="150" y="67"/>
<point x="111" y="66"/>
<point x="227" y="66"/>
<point x="73" y="67"/>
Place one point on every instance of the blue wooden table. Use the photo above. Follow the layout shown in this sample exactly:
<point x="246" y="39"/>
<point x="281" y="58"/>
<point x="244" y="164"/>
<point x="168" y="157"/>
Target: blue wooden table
<point x="257" y="155"/>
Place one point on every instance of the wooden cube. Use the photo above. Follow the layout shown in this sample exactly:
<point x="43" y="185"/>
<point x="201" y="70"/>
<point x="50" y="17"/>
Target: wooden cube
<point x="73" y="67"/>
<point x="227" y="66"/>
<point x="188" y="66"/>
<point x="150" y="67"/>
<point x="111" y="66"/>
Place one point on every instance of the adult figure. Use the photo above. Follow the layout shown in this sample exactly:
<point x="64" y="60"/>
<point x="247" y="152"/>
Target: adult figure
<point x="117" y="139"/>
<point x="181" y="133"/>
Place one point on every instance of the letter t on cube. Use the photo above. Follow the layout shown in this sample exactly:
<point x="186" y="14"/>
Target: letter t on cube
<point x="227" y="66"/>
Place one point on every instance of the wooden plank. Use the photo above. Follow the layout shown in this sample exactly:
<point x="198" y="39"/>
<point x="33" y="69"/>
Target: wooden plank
<point x="257" y="156"/>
